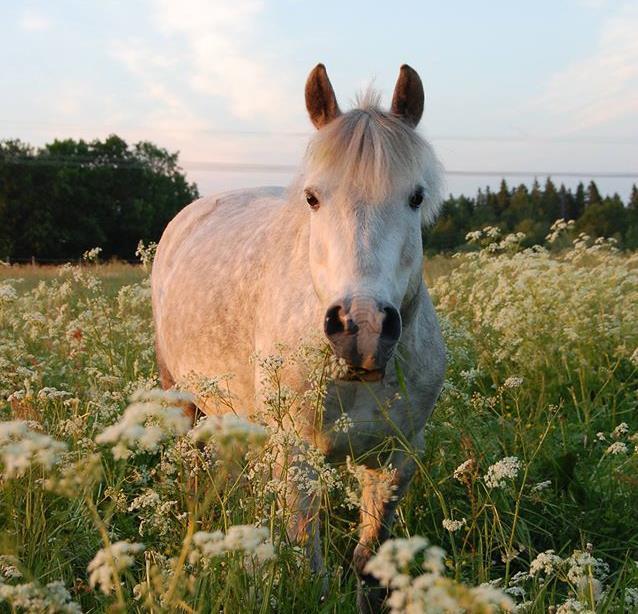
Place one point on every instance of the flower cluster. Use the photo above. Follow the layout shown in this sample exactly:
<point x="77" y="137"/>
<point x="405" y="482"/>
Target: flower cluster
<point x="22" y="447"/>
<point x="430" y="591"/>
<point x="247" y="539"/>
<point x="32" y="597"/>
<point x="147" y="422"/>
<point x="505" y="469"/>
<point x="106" y="566"/>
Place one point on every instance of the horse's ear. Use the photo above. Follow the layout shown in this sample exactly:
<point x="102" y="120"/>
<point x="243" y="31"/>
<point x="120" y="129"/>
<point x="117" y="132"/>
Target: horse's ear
<point x="321" y="101"/>
<point x="409" y="97"/>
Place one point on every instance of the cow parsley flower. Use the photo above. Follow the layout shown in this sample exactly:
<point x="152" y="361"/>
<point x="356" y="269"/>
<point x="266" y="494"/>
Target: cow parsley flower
<point x="343" y="424"/>
<point x="147" y="422"/>
<point x="631" y="597"/>
<point x="31" y="597"/>
<point x="505" y="469"/>
<point x="464" y="469"/>
<point x="540" y="486"/>
<point x="430" y="591"/>
<point x="248" y="539"/>
<point x="21" y="447"/>
<point x="454" y="525"/>
<point x="621" y="430"/>
<point x="546" y="562"/>
<point x="618" y="447"/>
<point x="573" y="606"/>
<point x="513" y="382"/>
<point x="230" y="433"/>
<point x="107" y="564"/>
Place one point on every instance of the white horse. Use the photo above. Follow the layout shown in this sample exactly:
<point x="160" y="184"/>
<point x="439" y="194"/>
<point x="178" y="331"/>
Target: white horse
<point x="339" y="253"/>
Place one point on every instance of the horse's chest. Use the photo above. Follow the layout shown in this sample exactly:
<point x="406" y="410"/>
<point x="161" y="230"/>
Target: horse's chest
<point x="365" y="422"/>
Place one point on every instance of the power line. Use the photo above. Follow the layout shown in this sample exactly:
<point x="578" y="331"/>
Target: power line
<point x="256" y="167"/>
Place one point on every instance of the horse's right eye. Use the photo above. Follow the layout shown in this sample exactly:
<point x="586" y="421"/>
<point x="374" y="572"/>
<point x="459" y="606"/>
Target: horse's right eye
<point x="312" y="200"/>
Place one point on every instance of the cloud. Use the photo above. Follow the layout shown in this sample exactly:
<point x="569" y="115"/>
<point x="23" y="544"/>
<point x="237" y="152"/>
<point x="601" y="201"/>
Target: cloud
<point x="215" y="46"/>
<point x="32" y="21"/>
<point x="602" y="87"/>
<point x="222" y="58"/>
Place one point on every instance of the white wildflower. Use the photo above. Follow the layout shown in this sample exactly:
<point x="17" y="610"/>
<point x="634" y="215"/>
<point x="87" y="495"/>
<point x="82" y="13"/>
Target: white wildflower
<point x="573" y="606"/>
<point x="513" y="382"/>
<point x="229" y="432"/>
<point x="631" y="597"/>
<point x="581" y="564"/>
<point x="621" y="430"/>
<point x="505" y="469"/>
<point x="343" y="424"/>
<point x="430" y="591"/>
<point x="21" y="447"/>
<point x="31" y="597"/>
<point x="154" y="512"/>
<point x="146" y="253"/>
<point x="474" y="237"/>
<point x="7" y="293"/>
<point x="92" y="255"/>
<point x="107" y="564"/>
<point x="618" y="447"/>
<point x="540" y="486"/>
<point x="248" y="539"/>
<point x="545" y="562"/>
<point x="146" y="423"/>
<point x="393" y="556"/>
<point x="454" y="525"/>
<point x="8" y="567"/>
<point x="464" y="469"/>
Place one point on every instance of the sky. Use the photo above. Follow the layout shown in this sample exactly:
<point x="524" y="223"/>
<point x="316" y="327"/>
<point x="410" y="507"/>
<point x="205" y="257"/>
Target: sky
<point x="512" y="88"/>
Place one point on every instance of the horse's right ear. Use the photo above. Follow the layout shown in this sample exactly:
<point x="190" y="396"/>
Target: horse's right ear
<point x="321" y="101"/>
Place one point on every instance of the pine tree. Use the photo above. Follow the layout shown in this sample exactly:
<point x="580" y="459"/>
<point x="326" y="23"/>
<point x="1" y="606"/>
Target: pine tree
<point x="592" y="197"/>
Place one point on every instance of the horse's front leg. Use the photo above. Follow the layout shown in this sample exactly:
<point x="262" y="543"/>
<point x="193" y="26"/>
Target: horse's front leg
<point x="302" y="507"/>
<point x="382" y="489"/>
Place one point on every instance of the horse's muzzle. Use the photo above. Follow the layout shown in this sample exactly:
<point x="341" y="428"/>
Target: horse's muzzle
<point x="364" y="333"/>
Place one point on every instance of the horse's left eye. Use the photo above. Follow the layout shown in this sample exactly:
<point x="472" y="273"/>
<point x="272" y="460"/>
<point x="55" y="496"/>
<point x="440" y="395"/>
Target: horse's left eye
<point x="416" y="199"/>
<point x="311" y="199"/>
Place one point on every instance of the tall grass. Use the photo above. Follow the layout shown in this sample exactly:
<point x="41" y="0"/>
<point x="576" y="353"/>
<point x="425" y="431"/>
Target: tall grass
<point x="528" y="482"/>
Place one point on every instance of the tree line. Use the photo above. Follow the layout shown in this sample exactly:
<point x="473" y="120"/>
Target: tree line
<point x="69" y="196"/>
<point x="60" y="200"/>
<point x="533" y="211"/>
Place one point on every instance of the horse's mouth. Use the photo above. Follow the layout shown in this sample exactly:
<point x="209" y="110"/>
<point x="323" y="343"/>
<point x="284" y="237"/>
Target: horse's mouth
<point x="364" y="375"/>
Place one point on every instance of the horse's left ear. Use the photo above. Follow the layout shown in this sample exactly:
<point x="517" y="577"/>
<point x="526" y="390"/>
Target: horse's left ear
<point x="321" y="101"/>
<point x="409" y="97"/>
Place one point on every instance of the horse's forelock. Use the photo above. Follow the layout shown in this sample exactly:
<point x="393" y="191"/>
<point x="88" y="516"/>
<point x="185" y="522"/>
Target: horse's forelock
<point x="372" y="153"/>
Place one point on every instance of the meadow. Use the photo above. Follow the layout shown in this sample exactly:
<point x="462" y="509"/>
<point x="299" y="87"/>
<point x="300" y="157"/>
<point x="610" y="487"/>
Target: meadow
<point x="526" y="498"/>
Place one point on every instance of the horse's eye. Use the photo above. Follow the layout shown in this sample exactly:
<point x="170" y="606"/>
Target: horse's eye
<point x="312" y="200"/>
<point x="416" y="199"/>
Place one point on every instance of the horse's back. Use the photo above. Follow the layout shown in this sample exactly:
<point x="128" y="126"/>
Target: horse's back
<point x="205" y="280"/>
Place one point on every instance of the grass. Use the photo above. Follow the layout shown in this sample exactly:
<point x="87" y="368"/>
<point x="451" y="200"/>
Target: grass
<point x="542" y="371"/>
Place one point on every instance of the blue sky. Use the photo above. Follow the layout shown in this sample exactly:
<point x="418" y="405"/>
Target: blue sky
<point x="511" y="86"/>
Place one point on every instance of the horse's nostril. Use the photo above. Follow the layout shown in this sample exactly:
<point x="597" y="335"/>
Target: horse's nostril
<point x="333" y="323"/>
<point x="391" y="327"/>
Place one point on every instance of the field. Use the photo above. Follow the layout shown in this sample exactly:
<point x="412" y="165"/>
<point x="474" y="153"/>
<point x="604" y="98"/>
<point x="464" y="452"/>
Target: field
<point x="529" y="483"/>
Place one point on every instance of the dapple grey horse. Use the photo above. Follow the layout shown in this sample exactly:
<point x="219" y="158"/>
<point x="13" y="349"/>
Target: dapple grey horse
<point x="339" y="254"/>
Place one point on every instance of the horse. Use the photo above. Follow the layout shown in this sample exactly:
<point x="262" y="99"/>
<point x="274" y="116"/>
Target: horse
<point x="339" y="255"/>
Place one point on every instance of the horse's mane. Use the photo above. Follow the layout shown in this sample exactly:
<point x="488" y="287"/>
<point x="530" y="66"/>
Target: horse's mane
<point x="372" y="152"/>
